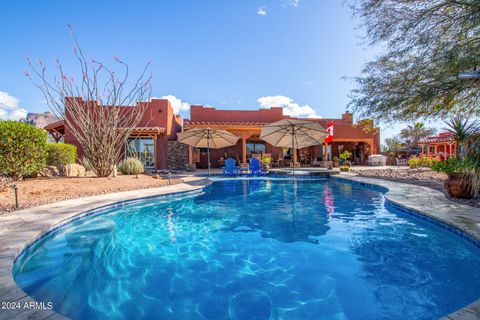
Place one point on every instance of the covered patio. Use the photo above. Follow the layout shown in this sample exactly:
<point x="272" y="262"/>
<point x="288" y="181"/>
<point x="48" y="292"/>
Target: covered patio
<point x="250" y="145"/>
<point x="441" y="145"/>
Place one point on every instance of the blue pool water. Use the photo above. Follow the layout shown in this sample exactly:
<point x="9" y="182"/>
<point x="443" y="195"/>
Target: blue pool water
<point x="253" y="249"/>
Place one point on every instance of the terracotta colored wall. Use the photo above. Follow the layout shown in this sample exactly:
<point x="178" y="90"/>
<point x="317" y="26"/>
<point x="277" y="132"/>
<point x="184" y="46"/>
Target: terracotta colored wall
<point x="344" y="128"/>
<point x="158" y="113"/>
<point x="200" y="113"/>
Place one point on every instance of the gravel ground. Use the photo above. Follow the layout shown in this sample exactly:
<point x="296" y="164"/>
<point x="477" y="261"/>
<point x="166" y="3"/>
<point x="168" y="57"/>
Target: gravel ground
<point x="421" y="177"/>
<point x="38" y="191"/>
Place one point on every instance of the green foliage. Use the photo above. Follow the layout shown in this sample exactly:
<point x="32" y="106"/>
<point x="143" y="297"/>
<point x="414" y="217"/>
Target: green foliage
<point x="61" y="153"/>
<point x="412" y="134"/>
<point x="131" y="166"/>
<point x="345" y="155"/>
<point x="392" y="145"/>
<point x="335" y="159"/>
<point x="344" y="168"/>
<point x="427" y="43"/>
<point x="266" y="159"/>
<point x="454" y="165"/>
<point x="22" y="149"/>
<point x="463" y="130"/>
<point x="422" y="162"/>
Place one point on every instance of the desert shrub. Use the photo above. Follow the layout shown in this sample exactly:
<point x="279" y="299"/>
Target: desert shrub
<point x="454" y="165"/>
<point x="23" y="149"/>
<point x="422" y="162"/>
<point x="345" y="155"/>
<point x="413" y="162"/>
<point x="131" y="166"/>
<point x="61" y="153"/>
<point x="344" y="168"/>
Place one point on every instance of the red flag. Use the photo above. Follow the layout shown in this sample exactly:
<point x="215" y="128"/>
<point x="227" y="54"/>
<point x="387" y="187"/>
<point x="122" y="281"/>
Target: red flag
<point x="329" y="138"/>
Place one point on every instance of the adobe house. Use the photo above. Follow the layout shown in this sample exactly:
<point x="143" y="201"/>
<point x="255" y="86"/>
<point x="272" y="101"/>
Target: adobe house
<point x="361" y="138"/>
<point x="149" y="141"/>
<point x="442" y="145"/>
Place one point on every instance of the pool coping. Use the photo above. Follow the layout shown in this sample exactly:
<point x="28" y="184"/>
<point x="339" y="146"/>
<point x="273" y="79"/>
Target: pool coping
<point x="431" y="205"/>
<point x="21" y="228"/>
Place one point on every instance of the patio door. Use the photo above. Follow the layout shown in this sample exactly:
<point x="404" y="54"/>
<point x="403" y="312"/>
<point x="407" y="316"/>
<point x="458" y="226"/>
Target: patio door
<point x="143" y="149"/>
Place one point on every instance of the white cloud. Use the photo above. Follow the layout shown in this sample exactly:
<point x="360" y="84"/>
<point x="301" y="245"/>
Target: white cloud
<point x="290" y="107"/>
<point x="308" y="83"/>
<point x="262" y="11"/>
<point x="177" y="104"/>
<point x="291" y="3"/>
<point x="9" y="109"/>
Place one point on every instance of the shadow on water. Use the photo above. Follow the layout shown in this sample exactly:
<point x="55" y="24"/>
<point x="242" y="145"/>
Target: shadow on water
<point x="285" y="215"/>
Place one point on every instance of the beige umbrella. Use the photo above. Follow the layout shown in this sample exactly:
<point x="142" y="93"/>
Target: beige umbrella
<point x="207" y="138"/>
<point x="293" y="133"/>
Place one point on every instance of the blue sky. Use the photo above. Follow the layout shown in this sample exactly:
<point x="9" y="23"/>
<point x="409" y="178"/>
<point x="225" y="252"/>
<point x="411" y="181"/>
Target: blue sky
<point x="227" y="54"/>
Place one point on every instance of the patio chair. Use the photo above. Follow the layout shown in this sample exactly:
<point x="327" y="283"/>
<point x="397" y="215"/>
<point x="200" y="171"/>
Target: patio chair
<point x="256" y="167"/>
<point x="278" y="161"/>
<point x="242" y="167"/>
<point x="230" y="168"/>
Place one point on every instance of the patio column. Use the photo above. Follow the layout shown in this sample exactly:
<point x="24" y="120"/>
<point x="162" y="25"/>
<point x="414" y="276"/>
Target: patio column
<point x="244" y="149"/>
<point x="190" y="155"/>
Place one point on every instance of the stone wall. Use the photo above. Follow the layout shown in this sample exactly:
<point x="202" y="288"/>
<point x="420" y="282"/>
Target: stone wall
<point x="177" y="155"/>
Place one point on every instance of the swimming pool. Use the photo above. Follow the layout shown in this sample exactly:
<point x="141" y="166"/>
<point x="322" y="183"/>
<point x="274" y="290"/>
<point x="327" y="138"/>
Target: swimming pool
<point x="253" y="249"/>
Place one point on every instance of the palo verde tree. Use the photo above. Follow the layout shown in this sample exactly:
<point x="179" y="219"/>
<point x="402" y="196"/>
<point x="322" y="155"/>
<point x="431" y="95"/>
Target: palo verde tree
<point x="100" y="106"/>
<point x="426" y="44"/>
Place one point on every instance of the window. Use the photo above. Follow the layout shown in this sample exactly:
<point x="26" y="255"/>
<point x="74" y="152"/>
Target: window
<point x="329" y="151"/>
<point x="255" y="147"/>
<point x="432" y="149"/>
<point x="143" y="149"/>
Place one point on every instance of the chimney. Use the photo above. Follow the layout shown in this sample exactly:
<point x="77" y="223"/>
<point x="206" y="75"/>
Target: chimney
<point x="347" y="117"/>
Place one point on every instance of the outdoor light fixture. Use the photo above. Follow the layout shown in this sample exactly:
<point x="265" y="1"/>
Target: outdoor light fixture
<point x="15" y="192"/>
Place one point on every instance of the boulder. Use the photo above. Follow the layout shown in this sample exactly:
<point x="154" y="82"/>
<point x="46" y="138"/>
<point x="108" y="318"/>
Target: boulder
<point x="73" y="170"/>
<point x="50" y="171"/>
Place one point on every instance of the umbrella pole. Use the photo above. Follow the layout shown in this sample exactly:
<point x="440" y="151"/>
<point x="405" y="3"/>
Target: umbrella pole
<point x="208" y="154"/>
<point x="293" y="151"/>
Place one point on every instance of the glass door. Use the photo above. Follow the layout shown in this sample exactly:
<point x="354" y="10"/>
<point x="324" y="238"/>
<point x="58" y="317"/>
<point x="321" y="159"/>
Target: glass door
<point x="143" y="149"/>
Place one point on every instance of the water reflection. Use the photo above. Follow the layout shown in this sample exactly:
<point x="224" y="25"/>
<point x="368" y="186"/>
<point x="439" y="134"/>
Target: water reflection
<point x="413" y="263"/>
<point x="282" y="249"/>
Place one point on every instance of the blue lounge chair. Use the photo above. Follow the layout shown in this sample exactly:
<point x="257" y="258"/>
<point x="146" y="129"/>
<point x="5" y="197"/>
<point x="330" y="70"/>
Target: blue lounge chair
<point x="230" y="168"/>
<point x="256" y="167"/>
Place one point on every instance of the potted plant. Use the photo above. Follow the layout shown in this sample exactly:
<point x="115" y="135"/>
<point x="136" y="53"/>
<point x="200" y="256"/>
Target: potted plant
<point x="335" y="161"/>
<point x="266" y="161"/>
<point x="344" y="156"/>
<point x="461" y="174"/>
<point x="464" y="170"/>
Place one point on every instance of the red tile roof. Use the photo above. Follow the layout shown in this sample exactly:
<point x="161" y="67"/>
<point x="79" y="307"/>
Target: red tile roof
<point x="229" y="123"/>
<point x="441" y="137"/>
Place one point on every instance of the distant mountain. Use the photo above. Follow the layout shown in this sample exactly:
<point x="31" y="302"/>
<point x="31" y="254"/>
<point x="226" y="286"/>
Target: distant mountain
<point x="40" y="119"/>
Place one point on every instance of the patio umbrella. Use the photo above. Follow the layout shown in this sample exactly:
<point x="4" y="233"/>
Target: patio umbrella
<point x="293" y="132"/>
<point x="207" y="138"/>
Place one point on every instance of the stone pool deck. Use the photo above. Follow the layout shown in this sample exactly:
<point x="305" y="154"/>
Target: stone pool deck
<point x="19" y="228"/>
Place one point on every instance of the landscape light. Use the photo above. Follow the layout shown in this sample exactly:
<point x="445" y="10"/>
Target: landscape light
<point x="469" y="75"/>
